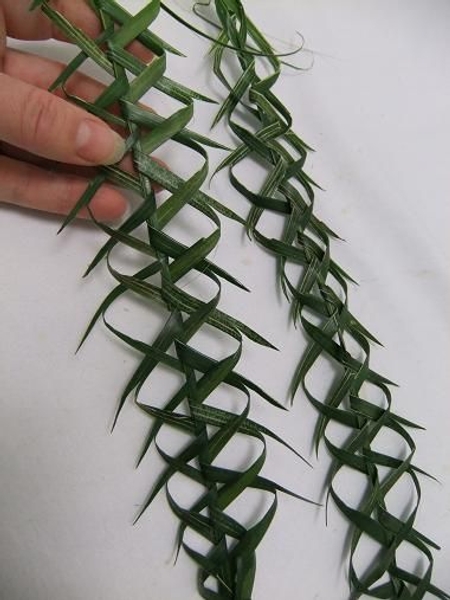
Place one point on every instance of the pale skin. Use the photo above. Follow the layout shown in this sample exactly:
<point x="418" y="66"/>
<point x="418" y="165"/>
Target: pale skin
<point x="49" y="148"/>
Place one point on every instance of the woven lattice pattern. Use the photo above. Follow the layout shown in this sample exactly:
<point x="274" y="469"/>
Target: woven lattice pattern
<point x="318" y="296"/>
<point x="227" y="568"/>
<point x="315" y="286"/>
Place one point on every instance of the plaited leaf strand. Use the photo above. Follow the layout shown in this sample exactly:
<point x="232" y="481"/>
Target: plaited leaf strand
<point x="227" y="569"/>
<point x="322" y="291"/>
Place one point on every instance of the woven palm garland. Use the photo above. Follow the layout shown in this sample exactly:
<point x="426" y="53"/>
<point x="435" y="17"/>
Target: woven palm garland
<point x="227" y="569"/>
<point x="320" y="293"/>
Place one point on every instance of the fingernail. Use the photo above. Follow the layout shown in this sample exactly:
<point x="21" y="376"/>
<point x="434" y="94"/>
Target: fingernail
<point x="96" y="143"/>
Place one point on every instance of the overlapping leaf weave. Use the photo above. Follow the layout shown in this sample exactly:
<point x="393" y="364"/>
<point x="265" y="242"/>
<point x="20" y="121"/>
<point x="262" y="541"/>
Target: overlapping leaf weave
<point x="318" y="298"/>
<point x="227" y="568"/>
<point x="318" y="295"/>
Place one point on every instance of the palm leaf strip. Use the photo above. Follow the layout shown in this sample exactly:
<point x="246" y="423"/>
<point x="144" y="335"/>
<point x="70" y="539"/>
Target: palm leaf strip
<point x="319" y="302"/>
<point x="227" y="569"/>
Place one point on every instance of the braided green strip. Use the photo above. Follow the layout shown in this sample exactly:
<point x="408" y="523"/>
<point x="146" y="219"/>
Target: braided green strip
<point x="321" y="291"/>
<point x="227" y="569"/>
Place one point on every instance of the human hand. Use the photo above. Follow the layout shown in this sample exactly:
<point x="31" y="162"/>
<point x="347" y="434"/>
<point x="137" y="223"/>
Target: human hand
<point x="48" y="147"/>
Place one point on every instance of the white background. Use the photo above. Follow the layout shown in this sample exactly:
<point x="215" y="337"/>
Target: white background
<point x="374" y="104"/>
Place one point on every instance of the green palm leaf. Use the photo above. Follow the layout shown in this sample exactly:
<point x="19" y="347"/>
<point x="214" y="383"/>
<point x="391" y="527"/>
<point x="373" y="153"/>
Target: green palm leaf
<point x="289" y="191"/>
<point x="231" y="559"/>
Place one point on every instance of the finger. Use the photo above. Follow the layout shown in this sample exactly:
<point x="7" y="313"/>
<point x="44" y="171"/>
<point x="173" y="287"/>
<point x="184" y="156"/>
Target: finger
<point x="26" y="185"/>
<point x="34" y="25"/>
<point x="48" y="165"/>
<point x="42" y="72"/>
<point x="84" y="172"/>
<point x="43" y="124"/>
<point x="2" y="38"/>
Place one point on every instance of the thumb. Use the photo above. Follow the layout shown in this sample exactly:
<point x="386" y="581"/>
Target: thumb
<point x="43" y="124"/>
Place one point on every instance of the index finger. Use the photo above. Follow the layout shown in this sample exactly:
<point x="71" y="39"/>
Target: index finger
<point x="21" y="23"/>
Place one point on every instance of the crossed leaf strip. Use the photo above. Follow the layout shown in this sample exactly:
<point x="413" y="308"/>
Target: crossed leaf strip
<point x="227" y="569"/>
<point x="321" y="290"/>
